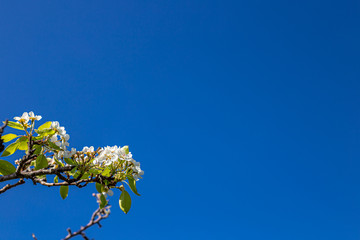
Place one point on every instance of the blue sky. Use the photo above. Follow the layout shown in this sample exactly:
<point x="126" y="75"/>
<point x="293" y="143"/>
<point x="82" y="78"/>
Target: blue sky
<point x="244" y="114"/>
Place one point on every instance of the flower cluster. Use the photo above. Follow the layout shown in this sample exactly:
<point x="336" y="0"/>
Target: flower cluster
<point x="24" y="119"/>
<point x="119" y="157"/>
<point x="61" y="138"/>
<point x="114" y="156"/>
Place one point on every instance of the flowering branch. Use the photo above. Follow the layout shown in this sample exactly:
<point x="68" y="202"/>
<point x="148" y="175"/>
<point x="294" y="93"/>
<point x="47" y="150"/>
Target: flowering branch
<point x="46" y="154"/>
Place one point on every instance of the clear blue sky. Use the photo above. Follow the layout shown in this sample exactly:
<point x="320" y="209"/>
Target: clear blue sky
<point x="244" y="114"/>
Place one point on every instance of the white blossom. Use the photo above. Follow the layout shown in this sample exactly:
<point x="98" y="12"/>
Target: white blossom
<point x="60" y="138"/>
<point x="69" y="154"/>
<point x="24" y="119"/>
<point x="88" y="149"/>
<point x="33" y="117"/>
<point x="137" y="170"/>
<point x="107" y="155"/>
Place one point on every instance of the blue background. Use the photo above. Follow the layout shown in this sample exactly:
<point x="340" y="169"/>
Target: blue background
<point x="244" y="114"/>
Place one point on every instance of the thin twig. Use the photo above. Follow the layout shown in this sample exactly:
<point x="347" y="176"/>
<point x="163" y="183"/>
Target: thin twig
<point x="2" y="147"/>
<point x="9" y="186"/>
<point x="96" y="217"/>
<point x="42" y="182"/>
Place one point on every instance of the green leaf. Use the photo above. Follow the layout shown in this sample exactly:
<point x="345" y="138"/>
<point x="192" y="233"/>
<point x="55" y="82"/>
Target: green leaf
<point x="10" y="149"/>
<point x="56" y="179"/>
<point x="45" y="132"/>
<point x="37" y="138"/>
<point x="45" y="126"/>
<point x="106" y="172"/>
<point x="53" y="145"/>
<point x="132" y="185"/>
<point x="37" y="149"/>
<point x="94" y="171"/>
<point x="77" y="174"/>
<point x="58" y="162"/>
<point x="99" y="187"/>
<point x="85" y="176"/>
<point x="23" y="146"/>
<point x="41" y="162"/>
<point x="103" y="201"/>
<point x="15" y="125"/>
<point x="125" y="201"/>
<point x="64" y="191"/>
<point x="8" y="137"/>
<point x="74" y="170"/>
<point x="6" y="168"/>
<point x="70" y="161"/>
<point x="23" y="143"/>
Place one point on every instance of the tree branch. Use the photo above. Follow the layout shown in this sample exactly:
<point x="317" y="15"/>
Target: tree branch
<point x="8" y="186"/>
<point x="96" y="217"/>
<point x="2" y="147"/>
<point x="30" y="174"/>
<point x="86" y="181"/>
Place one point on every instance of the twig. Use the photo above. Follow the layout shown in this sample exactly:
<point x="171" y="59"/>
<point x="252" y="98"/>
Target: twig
<point x="8" y="186"/>
<point x="28" y="157"/>
<point x="96" y="217"/>
<point x="2" y="147"/>
<point x="86" y="181"/>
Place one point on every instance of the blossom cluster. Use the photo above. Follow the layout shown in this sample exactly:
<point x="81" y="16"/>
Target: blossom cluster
<point x="103" y="157"/>
<point x="115" y="155"/>
<point x="111" y="155"/>
<point x="47" y="147"/>
<point x="24" y="119"/>
<point x="61" y="138"/>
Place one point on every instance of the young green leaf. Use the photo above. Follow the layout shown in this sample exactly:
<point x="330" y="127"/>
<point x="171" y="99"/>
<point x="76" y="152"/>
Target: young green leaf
<point x="99" y="187"/>
<point x="22" y="143"/>
<point x="10" y="149"/>
<point x="6" y="168"/>
<point x="41" y="162"/>
<point x="70" y="161"/>
<point x="85" y="176"/>
<point x="125" y="201"/>
<point x="94" y="171"/>
<point x="37" y="138"/>
<point x="106" y="172"/>
<point x="56" y="179"/>
<point x="15" y="125"/>
<point x="53" y="145"/>
<point x="45" y="126"/>
<point x="64" y="191"/>
<point x="8" y="137"/>
<point x="45" y="132"/>
<point x="132" y="185"/>
<point x="23" y="146"/>
<point x="103" y="201"/>
<point x="73" y="171"/>
<point x="58" y="162"/>
<point x="37" y="149"/>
